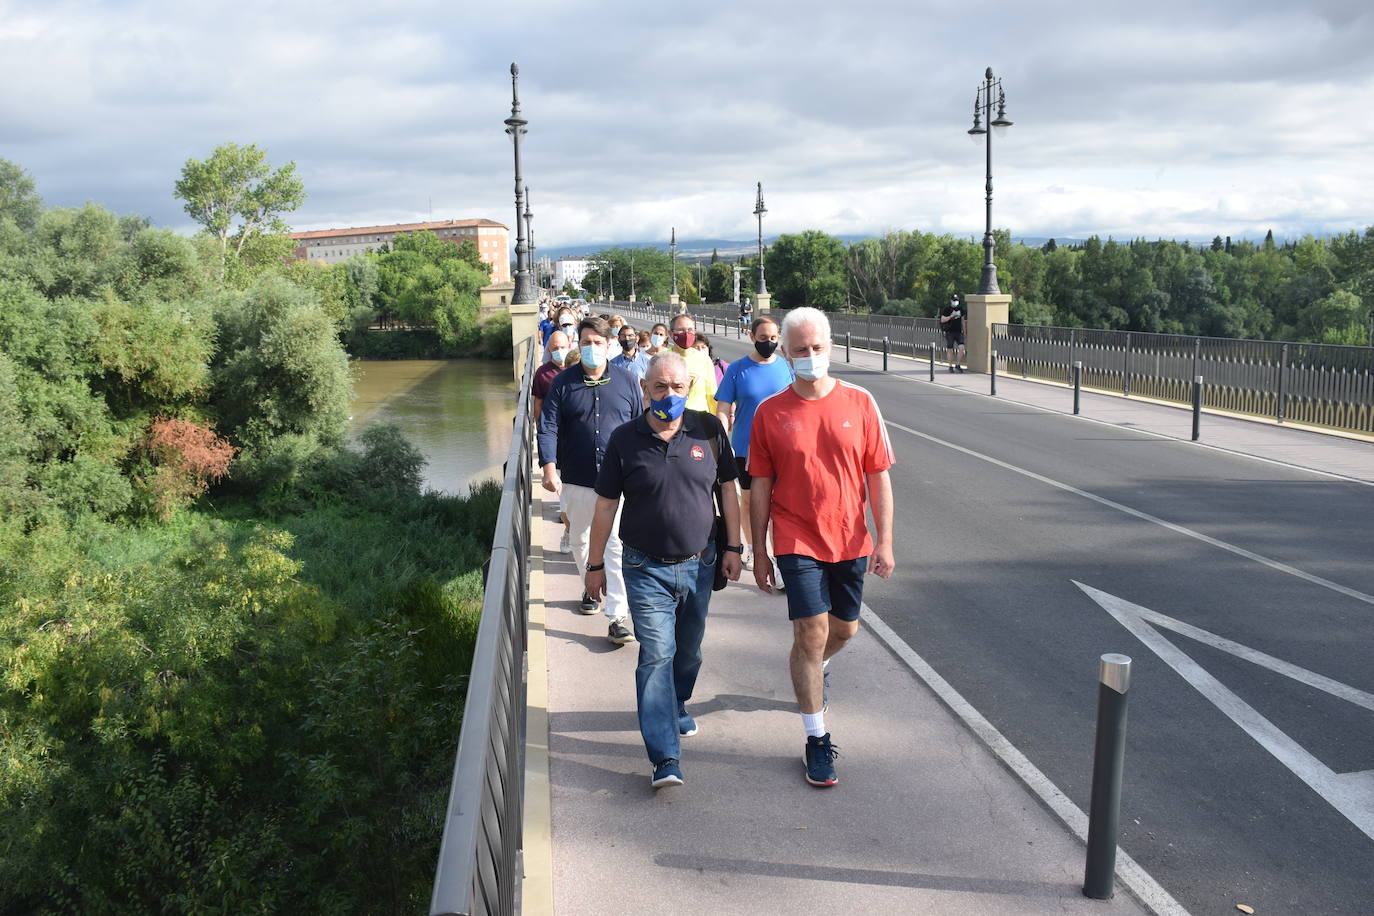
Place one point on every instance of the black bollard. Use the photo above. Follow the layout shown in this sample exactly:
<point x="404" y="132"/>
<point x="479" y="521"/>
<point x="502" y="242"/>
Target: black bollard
<point x="1077" y="384"/>
<point x="992" y="374"/>
<point x="846" y="346"/>
<point x="932" y="362"/>
<point x="1109" y="753"/>
<point x="884" y="353"/>
<point x="1197" y="407"/>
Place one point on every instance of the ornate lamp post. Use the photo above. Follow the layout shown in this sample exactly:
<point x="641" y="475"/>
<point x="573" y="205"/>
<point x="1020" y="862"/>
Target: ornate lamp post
<point x="529" y="233"/>
<point x="632" y="276"/>
<point x="515" y="127"/>
<point x="761" y="296"/>
<point x="672" y="249"/>
<point x="982" y="110"/>
<point x="610" y="280"/>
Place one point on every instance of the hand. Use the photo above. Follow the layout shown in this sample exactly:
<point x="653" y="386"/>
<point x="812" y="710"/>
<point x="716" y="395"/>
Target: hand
<point x="552" y="483"/>
<point x="731" y="565"/>
<point x="595" y="584"/>
<point x="763" y="572"/>
<point x="882" y="563"/>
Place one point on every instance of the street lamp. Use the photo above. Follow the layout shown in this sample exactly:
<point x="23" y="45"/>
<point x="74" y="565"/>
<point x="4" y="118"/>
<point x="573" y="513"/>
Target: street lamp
<point x="529" y="232"/>
<point x="759" y="210"/>
<point x="632" y="276"/>
<point x="610" y="280"/>
<point x="982" y="109"/>
<point x="515" y="127"/>
<point x="672" y="249"/>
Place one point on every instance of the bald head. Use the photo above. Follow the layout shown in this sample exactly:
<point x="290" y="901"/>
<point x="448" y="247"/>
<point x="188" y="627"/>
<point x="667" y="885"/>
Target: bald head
<point x="667" y="375"/>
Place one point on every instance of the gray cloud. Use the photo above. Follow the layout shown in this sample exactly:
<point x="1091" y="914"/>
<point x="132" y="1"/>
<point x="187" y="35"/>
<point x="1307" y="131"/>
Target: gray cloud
<point x="1138" y="120"/>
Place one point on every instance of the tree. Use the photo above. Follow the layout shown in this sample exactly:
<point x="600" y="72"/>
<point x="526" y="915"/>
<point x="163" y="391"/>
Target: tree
<point x="428" y="281"/>
<point x="807" y="270"/>
<point x="236" y="196"/>
<point x="19" y="201"/>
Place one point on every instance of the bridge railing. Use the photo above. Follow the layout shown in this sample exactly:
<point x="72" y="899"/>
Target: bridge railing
<point x="1320" y="384"/>
<point x="480" y="856"/>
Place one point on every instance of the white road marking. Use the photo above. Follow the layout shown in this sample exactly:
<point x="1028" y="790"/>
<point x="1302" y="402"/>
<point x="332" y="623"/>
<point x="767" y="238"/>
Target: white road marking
<point x="1145" y="516"/>
<point x="1136" y="880"/>
<point x="1352" y="794"/>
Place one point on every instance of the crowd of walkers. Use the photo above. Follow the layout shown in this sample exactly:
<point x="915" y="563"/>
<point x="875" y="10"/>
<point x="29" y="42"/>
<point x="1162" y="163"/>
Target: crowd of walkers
<point x="676" y="472"/>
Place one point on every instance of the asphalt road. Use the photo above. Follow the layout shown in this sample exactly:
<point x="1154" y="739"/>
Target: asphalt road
<point x="985" y="590"/>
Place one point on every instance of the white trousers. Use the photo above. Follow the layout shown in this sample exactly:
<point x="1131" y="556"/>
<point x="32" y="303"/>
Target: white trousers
<point x="581" y="506"/>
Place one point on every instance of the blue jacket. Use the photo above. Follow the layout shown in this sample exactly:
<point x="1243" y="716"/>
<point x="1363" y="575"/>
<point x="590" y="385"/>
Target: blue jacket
<point x="577" y="420"/>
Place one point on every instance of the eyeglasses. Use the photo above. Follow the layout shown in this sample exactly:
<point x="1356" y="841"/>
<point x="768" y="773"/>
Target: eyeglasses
<point x="593" y="382"/>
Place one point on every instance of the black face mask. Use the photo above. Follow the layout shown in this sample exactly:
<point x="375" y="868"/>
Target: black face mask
<point x="765" y="348"/>
<point x="627" y="345"/>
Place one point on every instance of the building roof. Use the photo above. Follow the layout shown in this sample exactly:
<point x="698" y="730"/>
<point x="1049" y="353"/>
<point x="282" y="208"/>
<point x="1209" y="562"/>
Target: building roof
<point x="402" y="227"/>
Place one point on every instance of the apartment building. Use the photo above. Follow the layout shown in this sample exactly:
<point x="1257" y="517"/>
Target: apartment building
<point x="333" y="245"/>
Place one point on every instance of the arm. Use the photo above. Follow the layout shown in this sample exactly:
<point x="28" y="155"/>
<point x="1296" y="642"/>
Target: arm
<point x="760" y="495"/>
<point x="603" y="517"/>
<point x="724" y="413"/>
<point x="880" y="499"/>
<point x="548" y="438"/>
<point x="730" y="560"/>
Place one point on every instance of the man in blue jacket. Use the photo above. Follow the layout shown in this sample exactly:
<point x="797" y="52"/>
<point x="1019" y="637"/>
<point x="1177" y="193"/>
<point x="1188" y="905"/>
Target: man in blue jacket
<point x="585" y="404"/>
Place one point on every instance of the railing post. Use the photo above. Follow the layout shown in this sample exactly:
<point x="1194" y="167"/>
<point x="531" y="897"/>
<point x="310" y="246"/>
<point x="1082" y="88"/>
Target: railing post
<point x="884" y="352"/>
<point x="1109" y="753"/>
<point x="932" y="362"/>
<point x="1077" y="385"/>
<point x="1197" y="407"/>
<point x="846" y="346"/>
<point x="1283" y="383"/>
<point x="992" y="374"/>
<point x="1126" y="367"/>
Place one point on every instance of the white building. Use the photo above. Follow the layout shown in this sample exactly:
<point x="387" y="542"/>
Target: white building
<point x="570" y="270"/>
<point x="333" y="245"/>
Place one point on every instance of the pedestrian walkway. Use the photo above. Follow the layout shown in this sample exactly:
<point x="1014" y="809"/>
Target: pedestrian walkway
<point x="1344" y="455"/>
<point x="924" y="820"/>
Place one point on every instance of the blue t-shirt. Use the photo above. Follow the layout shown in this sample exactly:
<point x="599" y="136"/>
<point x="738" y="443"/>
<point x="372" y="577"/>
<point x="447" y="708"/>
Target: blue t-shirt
<point x="746" y="384"/>
<point x="638" y="365"/>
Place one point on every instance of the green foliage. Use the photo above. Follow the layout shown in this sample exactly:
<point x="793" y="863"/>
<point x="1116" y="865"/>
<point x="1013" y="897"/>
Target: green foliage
<point x="19" y="200"/>
<point x="806" y="270"/>
<point x="426" y="281"/>
<point x="653" y="275"/>
<point x="238" y="199"/>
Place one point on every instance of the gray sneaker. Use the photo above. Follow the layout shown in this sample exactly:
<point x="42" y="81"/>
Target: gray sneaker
<point x="619" y="633"/>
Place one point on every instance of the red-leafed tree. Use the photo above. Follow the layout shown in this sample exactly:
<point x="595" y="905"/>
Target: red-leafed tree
<point x="187" y="459"/>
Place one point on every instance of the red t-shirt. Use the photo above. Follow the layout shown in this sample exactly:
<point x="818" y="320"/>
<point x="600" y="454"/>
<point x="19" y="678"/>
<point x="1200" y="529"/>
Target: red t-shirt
<point x="818" y="453"/>
<point x="543" y="378"/>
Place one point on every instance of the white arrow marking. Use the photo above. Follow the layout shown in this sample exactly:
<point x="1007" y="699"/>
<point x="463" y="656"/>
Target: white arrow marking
<point x="1352" y="794"/>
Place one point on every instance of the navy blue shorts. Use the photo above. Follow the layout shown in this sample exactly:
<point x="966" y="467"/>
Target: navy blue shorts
<point x="815" y="587"/>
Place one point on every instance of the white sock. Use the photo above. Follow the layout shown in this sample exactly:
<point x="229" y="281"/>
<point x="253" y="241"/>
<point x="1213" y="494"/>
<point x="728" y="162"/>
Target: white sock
<point x="814" y="723"/>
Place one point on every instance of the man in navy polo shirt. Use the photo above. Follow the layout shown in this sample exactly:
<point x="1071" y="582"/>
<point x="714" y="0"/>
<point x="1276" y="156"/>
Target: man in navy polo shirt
<point x="667" y="463"/>
<point x="585" y="404"/>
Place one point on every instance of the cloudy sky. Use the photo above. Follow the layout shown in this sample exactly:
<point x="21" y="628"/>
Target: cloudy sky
<point x="1149" y="119"/>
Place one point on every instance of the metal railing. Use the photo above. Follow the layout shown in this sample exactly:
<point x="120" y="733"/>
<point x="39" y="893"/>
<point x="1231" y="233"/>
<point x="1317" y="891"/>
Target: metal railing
<point x="480" y="856"/>
<point x="1319" y="384"/>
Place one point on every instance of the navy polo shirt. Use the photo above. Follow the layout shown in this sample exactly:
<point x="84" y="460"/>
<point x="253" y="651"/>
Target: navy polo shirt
<point x="667" y="486"/>
<point x="577" y="420"/>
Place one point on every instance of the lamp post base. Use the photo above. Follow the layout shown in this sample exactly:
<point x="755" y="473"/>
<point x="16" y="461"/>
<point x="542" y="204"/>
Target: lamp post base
<point x="674" y="299"/>
<point x="762" y="303"/>
<point x="632" y="297"/>
<point x="983" y="312"/>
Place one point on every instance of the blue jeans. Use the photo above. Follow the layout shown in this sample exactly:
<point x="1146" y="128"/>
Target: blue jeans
<point x="668" y="603"/>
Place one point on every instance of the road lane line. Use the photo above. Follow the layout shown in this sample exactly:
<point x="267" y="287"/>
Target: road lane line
<point x="1145" y="516"/>
<point x="1135" y="879"/>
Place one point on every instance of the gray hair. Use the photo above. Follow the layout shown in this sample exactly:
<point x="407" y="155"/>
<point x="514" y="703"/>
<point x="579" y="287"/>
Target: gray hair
<point x="667" y="359"/>
<point x="804" y="317"/>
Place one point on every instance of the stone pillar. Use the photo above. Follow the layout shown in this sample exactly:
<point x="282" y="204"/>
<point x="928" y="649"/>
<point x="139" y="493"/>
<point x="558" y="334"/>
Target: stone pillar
<point x="632" y="297"/>
<point x="983" y="313"/>
<point x="762" y="303"/>
<point x="524" y="323"/>
<point x="674" y="299"/>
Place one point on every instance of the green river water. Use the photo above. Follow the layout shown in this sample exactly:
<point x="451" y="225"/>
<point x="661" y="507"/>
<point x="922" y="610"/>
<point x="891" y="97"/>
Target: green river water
<point x="456" y="412"/>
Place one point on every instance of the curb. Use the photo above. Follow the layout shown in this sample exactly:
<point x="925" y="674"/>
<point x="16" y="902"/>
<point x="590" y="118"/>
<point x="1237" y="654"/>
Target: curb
<point x="536" y="889"/>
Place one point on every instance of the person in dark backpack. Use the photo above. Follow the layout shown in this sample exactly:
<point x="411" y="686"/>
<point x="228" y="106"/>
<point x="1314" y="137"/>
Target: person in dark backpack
<point x="952" y="323"/>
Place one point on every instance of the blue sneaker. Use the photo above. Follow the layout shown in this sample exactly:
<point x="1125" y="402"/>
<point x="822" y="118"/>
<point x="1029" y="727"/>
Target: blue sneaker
<point x="820" y="761"/>
<point x="686" y="725"/>
<point x="666" y="773"/>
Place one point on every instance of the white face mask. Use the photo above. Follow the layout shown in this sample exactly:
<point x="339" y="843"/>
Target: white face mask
<point x="560" y="356"/>
<point x="811" y="368"/>
<point x="656" y="340"/>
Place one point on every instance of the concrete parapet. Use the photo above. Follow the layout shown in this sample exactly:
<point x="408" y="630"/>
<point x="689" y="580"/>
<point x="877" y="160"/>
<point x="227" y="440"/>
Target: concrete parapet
<point x="983" y="313"/>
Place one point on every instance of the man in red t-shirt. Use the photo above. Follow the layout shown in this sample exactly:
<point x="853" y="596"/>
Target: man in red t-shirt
<point x="818" y="453"/>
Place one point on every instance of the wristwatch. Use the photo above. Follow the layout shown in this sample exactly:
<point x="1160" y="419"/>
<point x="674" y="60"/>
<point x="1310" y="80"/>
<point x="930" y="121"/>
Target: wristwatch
<point x="734" y="548"/>
<point x="597" y="568"/>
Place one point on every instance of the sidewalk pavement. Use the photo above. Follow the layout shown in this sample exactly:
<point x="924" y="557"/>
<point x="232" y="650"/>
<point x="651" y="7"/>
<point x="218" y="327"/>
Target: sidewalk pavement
<point x="924" y="819"/>
<point x="1343" y="454"/>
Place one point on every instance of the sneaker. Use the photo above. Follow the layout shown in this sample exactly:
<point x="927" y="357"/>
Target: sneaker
<point x="666" y="773"/>
<point x="960" y="369"/>
<point x="951" y="370"/>
<point x="618" y="633"/>
<point x="820" y="761"/>
<point x="686" y="725"/>
<point x="565" y="543"/>
<point x="589" y="604"/>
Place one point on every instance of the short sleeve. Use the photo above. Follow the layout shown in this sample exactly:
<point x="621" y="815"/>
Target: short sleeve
<point x="760" y="448"/>
<point x="878" y="456"/>
<point x="726" y="468"/>
<point x="610" y="480"/>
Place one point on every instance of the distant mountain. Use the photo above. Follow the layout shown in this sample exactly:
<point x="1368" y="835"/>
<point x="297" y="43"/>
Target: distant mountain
<point x="687" y="249"/>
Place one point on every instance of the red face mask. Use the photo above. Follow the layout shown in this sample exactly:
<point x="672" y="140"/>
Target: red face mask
<point x="685" y="339"/>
